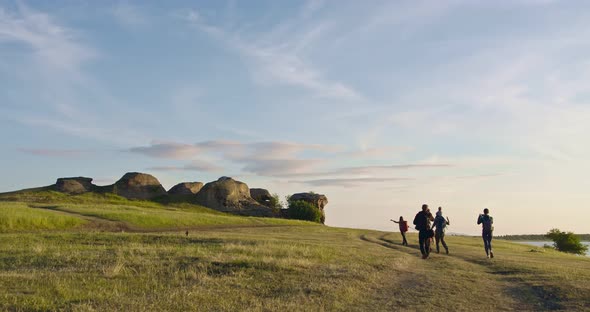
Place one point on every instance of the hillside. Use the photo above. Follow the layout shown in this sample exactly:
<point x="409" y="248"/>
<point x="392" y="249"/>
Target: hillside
<point x="104" y="253"/>
<point x="223" y="195"/>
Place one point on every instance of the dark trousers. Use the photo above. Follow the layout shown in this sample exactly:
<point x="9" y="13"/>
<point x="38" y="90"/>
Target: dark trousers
<point x="440" y="238"/>
<point x="487" y="241"/>
<point x="424" y="241"/>
<point x="405" y="242"/>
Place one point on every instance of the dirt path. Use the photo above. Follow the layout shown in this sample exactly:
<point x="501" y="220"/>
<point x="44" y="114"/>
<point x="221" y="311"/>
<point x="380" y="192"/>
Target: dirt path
<point x="510" y="290"/>
<point x="94" y="223"/>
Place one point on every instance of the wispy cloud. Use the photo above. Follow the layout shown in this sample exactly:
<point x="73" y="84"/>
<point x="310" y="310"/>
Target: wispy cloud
<point x="167" y="150"/>
<point x="54" y="61"/>
<point x="53" y="45"/>
<point x="280" y="167"/>
<point x="276" y="57"/>
<point x="274" y="158"/>
<point x="201" y="166"/>
<point x="61" y="153"/>
<point x="369" y="170"/>
<point x="348" y="182"/>
<point x="233" y="150"/>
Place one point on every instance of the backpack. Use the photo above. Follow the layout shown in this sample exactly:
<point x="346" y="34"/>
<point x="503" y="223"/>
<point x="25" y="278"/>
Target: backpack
<point x="421" y="221"/>
<point x="403" y="226"/>
<point x="486" y="222"/>
<point x="441" y="223"/>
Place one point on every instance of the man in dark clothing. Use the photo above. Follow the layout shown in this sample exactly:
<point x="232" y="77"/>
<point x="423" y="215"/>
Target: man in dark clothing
<point x="422" y="223"/>
<point x="487" y="226"/>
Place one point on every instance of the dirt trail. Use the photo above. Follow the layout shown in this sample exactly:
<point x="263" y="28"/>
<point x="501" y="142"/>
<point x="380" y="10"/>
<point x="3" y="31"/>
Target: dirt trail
<point x="522" y="294"/>
<point x="94" y="222"/>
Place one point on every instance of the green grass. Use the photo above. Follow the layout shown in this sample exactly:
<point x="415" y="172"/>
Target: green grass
<point x="163" y="218"/>
<point x="279" y="268"/>
<point x="45" y="195"/>
<point x="232" y="263"/>
<point x="15" y="217"/>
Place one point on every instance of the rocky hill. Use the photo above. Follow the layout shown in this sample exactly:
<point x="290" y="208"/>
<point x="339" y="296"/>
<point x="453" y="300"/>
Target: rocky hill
<point x="225" y="194"/>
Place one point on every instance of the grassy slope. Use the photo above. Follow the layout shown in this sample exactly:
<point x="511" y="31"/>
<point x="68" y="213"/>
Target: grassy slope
<point x="21" y="217"/>
<point x="291" y="268"/>
<point x="112" y="212"/>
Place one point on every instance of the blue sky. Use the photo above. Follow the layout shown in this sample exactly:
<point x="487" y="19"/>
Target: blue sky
<point x="380" y="105"/>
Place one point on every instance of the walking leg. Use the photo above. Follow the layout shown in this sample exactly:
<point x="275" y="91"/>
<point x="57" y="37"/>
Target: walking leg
<point x="437" y="238"/>
<point x="490" y="244"/>
<point x="442" y="240"/>
<point x="422" y="242"/>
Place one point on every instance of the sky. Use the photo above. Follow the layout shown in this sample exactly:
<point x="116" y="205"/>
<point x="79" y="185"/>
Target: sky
<point x="380" y="105"/>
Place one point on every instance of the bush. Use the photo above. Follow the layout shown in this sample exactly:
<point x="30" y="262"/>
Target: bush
<point x="275" y="202"/>
<point x="302" y="210"/>
<point x="566" y="242"/>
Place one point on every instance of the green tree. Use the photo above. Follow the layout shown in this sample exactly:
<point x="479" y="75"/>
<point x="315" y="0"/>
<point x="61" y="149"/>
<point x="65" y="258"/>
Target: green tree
<point x="275" y="201"/>
<point x="566" y="242"/>
<point x="302" y="210"/>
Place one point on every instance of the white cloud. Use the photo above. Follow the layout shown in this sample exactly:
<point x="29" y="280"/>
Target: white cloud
<point x="348" y="182"/>
<point x="53" y="46"/>
<point x="195" y="165"/>
<point x="61" y="153"/>
<point x="169" y="150"/>
<point x="276" y="57"/>
<point x="54" y="64"/>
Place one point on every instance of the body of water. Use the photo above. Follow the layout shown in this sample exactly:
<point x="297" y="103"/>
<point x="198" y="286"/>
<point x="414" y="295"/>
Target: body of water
<point x="543" y="243"/>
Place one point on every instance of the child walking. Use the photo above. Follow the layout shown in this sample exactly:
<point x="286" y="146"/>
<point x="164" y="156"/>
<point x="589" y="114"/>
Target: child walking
<point x="403" y="228"/>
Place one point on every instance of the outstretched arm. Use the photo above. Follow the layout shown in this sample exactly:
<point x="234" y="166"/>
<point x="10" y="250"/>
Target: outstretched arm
<point x="393" y="221"/>
<point x="448" y="221"/>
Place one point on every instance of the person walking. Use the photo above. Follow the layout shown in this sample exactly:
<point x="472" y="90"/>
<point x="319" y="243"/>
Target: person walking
<point x="440" y="223"/>
<point x="487" y="225"/>
<point x="422" y="222"/>
<point x="403" y="228"/>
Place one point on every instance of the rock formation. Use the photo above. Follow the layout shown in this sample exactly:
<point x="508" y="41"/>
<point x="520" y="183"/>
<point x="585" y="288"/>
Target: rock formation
<point x="318" y="200"/>
<point x="186" y="188"/>
<point x="74" y="185"/>
<point x="229" y="195"/>
<point x="261" y="195"/>
<point x="225" y="194"/>
<point x="135" y="185"/>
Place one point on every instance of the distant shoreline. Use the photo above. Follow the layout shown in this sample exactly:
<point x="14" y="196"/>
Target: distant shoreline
<point x="536" y="237"/>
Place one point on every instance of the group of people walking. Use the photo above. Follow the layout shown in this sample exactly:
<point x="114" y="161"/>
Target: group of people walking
<point x="430" y="227"/>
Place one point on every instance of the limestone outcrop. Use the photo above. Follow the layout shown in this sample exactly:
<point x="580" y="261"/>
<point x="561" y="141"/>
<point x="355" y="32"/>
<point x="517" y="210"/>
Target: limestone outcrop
<point x="186" y="188"/>
<point x="225" y="194"/>
<point x="261" y="195"/>
<point x="74" y="185"/>
<point x="135" y="185"/>
<point x="229" y="195"/>
<point x="318" y="200"/>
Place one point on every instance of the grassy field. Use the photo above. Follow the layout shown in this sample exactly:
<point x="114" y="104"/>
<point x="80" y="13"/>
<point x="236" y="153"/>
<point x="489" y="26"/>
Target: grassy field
<point x="127" y="257"/>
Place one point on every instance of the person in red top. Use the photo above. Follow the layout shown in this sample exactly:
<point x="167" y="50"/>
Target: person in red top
<point x="403" y="228"/>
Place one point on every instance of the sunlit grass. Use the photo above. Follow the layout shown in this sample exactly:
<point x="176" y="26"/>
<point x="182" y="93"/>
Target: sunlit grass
<point x="20" y="217"/>
<point x="233" y="263"/>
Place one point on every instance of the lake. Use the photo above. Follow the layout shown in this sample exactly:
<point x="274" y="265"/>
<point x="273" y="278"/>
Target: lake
<point x="542" y="243"/>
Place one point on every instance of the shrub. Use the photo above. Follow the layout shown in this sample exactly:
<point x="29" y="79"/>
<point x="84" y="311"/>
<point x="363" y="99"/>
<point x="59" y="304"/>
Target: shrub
<point x="302" y="210"/>
<point x="275" y="202"/>
<point x="566" y="242"/>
